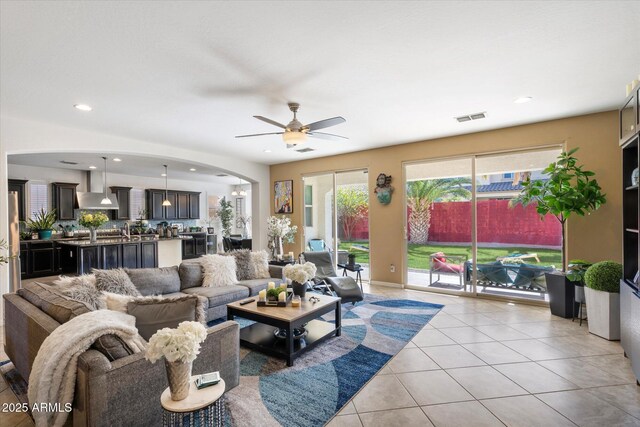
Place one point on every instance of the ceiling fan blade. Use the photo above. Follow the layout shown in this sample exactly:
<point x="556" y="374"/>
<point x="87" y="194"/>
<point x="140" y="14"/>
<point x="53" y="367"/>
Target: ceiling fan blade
<point x="325" y="123"/>
<point x="271" y="122"/>
<point x="328" y="136"/>
<point x="259" y="134"/>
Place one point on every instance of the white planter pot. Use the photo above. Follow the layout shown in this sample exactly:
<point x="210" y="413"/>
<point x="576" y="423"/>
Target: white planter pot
<point x="603" y="310"/>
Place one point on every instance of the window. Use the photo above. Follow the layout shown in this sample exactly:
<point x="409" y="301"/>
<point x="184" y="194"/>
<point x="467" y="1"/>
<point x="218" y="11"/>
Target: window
<point x="137" y="203"/>
<point x="38" y="197"/>
<point x="507" y="175"/>
<point x="308" y="206"/>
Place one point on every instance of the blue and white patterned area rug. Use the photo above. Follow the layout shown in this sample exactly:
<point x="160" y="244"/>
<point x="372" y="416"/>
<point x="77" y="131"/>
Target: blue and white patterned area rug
<point x="323" y="380"/>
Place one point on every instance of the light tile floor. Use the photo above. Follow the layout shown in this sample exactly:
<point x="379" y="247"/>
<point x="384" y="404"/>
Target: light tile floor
<point x="488" y="363"/>
<point x="484" y="363"/>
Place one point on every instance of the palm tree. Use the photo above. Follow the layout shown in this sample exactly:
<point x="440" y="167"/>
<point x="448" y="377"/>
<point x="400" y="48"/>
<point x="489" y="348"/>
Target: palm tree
<point x="420" y="197"/>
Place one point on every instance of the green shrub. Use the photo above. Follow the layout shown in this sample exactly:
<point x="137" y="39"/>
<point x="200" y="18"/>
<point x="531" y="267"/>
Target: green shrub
<point x="604" y="276"/>
<point x="273" y="293"/>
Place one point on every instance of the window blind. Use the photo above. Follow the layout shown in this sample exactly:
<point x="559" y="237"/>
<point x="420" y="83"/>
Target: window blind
<point x="38" y="197"/>
<point x="137" y="202"/>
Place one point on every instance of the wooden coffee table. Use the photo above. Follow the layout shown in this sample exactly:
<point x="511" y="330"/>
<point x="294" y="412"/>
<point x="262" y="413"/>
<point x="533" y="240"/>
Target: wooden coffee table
<point x="261" y="336"/>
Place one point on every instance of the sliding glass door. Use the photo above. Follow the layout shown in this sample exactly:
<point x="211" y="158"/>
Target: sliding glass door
<point x="438" y="224"/>
<point x="336" y="218"/>
<point x="465" y="233"/>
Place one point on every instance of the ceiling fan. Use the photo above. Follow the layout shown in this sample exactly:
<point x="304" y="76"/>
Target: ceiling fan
<point x="296" y="133"/>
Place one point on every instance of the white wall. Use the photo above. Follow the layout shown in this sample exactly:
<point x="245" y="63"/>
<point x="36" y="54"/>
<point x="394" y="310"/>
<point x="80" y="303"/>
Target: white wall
<point x="20" y="136"/>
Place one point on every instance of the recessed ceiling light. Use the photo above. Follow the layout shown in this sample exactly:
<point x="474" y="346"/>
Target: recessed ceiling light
<point x="192" y="169"/>
<point x="92" y="167"/>
<point x="115" y="159"/>
<point x="83" y="107"/>
<point x="522" y="99"/>
<point x="163" y="174"/>
<point x="267" y="151"/>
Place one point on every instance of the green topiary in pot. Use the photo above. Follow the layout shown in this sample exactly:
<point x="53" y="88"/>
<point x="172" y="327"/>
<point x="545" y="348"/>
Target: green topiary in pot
<point x="604" y="276"/>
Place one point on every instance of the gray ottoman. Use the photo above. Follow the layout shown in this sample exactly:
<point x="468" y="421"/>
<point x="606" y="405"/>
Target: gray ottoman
<point x="346" y="288"/>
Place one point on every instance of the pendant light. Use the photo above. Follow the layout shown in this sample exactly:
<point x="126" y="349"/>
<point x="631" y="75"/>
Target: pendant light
<point x="166" y="201"/>
<point x="242" y="192"/>
<point x="105" y="200"/>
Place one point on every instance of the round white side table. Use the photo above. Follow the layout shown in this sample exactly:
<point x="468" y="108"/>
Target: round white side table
<point x="206" y="404"/>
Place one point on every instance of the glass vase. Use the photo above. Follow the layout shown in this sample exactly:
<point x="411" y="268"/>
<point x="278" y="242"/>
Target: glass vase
<point x="93" y="235"/>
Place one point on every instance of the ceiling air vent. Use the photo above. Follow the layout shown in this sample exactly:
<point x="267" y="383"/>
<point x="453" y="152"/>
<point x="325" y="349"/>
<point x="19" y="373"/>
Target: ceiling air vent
<point x="469" y="117"/>
<point x="222" y="174"/>
<point x="66" y="162"/>
<point x="305" y="150"/>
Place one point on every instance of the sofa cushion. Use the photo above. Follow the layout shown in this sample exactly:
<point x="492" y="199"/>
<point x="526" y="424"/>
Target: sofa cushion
<point x="220" y="295"/>
<point x="153" y="314"/>
<point x="260" y="262"/>
<point x="51" y="302"/>
<point x="203" y="300"/>
<point x="244" y="265"/>
<point x="83" y="289"/>
<point x="112" y="346"/>
<point x="155" y="281"/>
<point x="218" y="270"/>
<point x="190" y="275"/>
<point x="116" y="281"/>
<point x="256" y="285"/>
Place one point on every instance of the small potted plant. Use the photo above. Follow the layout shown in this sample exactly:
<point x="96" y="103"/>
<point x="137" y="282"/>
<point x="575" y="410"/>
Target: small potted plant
<point x="568" y="190"/>
<point x="272" y="294"/>
<point x="42" y="223"/>
<point x="603" y="298"/>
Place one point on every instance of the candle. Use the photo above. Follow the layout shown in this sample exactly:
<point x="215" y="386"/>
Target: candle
<point x="290" y="255"/>
<point x="271" y="285"/>
<point x="295" y="302"/>
<point x="262" y="295"/>
<point x="282" y="296"/>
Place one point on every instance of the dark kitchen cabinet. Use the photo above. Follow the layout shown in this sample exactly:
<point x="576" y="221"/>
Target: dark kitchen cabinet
<point x="19" y="186"/>
<point x="194" y="247"/>
<point x="194" y="206"/>
<point x="183" y="205"/>
<point x="57" y="258"/>
<point x="200" y="245"/>
<point x="124" y="203"/>
<point x="131" y="255"/>
<point x="171" y="212"/>
<point x="24" y="259"/>
<point x="64" y="200"/>
<point x="154" y="204"/>
<point x="188" y="248"/>
<point x="89" y="258"/>
<point x="148" y="255"/>
<point x="41" y="259"/>
<point x="111" y="256"/>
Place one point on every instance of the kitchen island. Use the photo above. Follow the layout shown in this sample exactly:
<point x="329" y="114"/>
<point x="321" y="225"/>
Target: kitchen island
<point x="80" y="256"/>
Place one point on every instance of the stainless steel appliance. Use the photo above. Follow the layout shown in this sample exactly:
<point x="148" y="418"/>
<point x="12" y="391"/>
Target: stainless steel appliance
<point x="14" y="243"/>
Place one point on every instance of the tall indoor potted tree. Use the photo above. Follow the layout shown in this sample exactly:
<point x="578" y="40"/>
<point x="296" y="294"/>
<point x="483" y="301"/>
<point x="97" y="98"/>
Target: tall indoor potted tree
<point x="225" y="213"/>
<point x="569" y="190"/>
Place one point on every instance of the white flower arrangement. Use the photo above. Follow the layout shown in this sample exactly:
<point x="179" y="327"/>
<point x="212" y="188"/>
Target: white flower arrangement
<point x="300" y="273"/>
<point x="177" y="345"/>
<point x="281" y="227"/>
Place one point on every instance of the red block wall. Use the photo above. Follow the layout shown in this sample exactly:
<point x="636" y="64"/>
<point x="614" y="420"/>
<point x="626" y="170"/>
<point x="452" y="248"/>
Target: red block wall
<point x="497" y="223"/>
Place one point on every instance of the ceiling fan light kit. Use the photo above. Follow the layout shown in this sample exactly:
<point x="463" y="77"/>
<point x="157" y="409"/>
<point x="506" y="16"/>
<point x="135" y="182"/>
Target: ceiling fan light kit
<point x="295" y="132"/>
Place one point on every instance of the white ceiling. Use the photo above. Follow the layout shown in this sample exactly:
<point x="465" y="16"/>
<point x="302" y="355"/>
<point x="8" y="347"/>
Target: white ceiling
<point x="143" y="166"/>
<point x="194" y="73"/>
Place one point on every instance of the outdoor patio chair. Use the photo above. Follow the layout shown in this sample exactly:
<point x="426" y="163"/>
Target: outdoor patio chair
<point x="328" y="281"/>
<point x="317" y="245"/>
<point x="439" y="263"/>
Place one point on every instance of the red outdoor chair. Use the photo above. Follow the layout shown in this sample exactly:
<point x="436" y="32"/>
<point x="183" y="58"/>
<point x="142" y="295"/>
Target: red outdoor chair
<point x="440" y="263"/>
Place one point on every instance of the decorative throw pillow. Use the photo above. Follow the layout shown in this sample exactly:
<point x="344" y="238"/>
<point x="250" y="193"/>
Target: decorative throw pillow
<point x="218" y="270"/>
<point x="155" y="281"/>
<point x="112" y="346"/>
<point x="260" y="261"/>
<point x="244" y="266"/>
<point x="155" y="313"/>
<point x="60" y="307"/>
<point x="83" y="288"/>
<point x="66" y="280"/>
<point x="190" y="275"/>
<point x="116" y="281"/>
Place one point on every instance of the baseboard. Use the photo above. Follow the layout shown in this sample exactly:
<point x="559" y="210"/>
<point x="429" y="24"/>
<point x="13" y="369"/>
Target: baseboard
<point x="388" y="284"/>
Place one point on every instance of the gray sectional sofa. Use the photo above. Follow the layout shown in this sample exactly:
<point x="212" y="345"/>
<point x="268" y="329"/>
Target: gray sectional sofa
<point x="126" y="391"/>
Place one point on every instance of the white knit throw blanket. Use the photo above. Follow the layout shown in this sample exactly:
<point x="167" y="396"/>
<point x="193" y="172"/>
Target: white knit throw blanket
<point x="53" y="375"/>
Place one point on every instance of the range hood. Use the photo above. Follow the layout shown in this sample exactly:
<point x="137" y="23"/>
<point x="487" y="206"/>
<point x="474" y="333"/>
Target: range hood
<point x="91" y="201"/>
